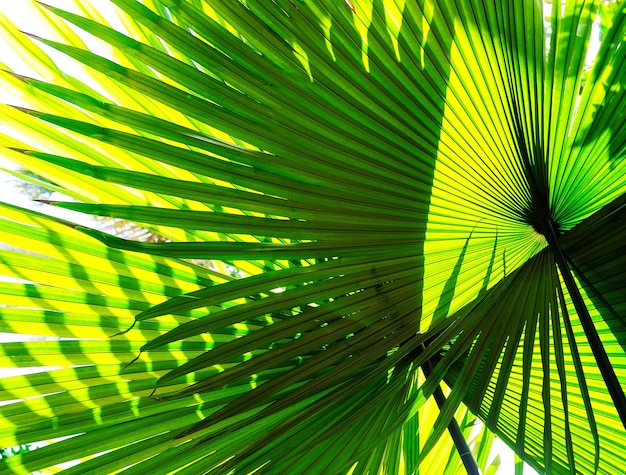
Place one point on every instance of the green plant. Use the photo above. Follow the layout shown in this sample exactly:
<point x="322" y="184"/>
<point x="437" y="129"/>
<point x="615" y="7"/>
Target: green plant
<point x="410" y="192"/>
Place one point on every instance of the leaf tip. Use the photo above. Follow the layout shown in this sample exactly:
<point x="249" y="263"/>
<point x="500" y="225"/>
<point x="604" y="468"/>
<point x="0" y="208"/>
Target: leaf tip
<point x="152" y="396"/>
<point x="31" y="35"/>
<point x="26" y="110"/>
<point x="133" y="360"/>
<point x="123" y="331"/>
<point x="15" y="75"/>
<point x="25" y="151"/>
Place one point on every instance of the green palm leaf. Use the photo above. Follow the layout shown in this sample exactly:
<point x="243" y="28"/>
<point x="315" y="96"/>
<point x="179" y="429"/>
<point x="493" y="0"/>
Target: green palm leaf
<point x="392" y="197"/>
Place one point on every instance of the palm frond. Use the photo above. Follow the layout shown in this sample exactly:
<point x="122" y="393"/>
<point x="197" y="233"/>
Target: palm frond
<point x="373" y="183"/>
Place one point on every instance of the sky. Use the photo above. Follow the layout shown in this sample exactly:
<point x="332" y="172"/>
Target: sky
<point x="21" y="13"/>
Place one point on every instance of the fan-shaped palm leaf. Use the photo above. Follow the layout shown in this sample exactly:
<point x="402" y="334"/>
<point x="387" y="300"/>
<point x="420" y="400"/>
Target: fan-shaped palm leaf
<point x="391" y="194"/>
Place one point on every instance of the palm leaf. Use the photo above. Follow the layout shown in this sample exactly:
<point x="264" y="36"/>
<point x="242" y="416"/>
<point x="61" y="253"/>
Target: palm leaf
<point x="394" y="198"/>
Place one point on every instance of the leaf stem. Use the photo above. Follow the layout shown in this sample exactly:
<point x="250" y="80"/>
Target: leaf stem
<point x="455" y="432"/>
<point x="599" y="353"/>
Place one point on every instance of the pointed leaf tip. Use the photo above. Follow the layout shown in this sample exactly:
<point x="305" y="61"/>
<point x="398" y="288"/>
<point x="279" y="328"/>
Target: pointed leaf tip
<point x="20" y="150"/>
<point x="32" y="35"/>
<point x="133" y="360"/>
<point x="151" y="396"/>
<point x="23" y="109"/>
<point x="15" y="75"/>
<point x="80" y="228"/>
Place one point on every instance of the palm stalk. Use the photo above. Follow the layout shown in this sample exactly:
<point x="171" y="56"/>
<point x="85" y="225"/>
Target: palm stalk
<point x="469" y="462"/>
